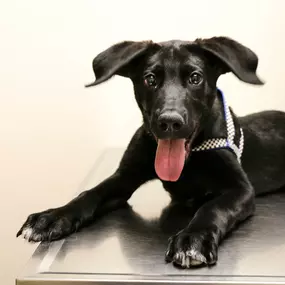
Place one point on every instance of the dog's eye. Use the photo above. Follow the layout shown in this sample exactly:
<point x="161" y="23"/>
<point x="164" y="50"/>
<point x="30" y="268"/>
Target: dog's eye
<point x="195" y="78"/>
<point x="150" y="81"/>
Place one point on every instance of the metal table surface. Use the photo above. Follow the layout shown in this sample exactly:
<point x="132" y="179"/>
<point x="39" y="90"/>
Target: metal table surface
<point x="128" y="245"/>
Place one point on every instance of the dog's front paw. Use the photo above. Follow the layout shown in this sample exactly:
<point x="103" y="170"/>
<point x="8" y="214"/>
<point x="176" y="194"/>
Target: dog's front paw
<point x="49" y="225"/>
<point x="187" y="249"/>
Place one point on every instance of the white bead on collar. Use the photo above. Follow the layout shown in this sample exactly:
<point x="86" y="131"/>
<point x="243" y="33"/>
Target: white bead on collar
<point x="218" y="143"/>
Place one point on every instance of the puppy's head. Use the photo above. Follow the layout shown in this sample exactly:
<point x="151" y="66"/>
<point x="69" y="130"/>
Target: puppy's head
<point x="175" y="87"/>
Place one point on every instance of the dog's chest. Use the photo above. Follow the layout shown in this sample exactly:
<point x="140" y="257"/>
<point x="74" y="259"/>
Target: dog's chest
<point x="197" y="179"/>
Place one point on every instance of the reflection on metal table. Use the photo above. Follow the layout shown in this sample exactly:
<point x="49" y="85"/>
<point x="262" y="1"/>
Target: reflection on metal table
<point x="128" y="245"/>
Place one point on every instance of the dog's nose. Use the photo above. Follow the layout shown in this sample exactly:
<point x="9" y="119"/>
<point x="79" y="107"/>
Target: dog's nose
<point x="170" y="122"/>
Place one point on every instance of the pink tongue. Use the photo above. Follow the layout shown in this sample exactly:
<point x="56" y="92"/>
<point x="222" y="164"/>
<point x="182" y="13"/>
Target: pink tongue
<point x="170" y="158"/>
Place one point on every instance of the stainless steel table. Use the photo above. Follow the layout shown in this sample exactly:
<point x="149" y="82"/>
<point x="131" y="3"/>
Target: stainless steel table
<point x="128" y="245"/>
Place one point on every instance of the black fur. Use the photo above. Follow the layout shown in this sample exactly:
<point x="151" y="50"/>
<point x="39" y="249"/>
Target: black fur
<point x="224" y="188"/>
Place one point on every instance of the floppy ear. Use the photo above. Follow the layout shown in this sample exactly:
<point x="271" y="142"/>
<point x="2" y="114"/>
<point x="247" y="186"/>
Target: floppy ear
<point x="233" y="57"/>
<point x="117" y="59"/>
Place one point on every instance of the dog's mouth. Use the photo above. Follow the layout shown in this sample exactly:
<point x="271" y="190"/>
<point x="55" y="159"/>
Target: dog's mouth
<point x="171" y="155"/>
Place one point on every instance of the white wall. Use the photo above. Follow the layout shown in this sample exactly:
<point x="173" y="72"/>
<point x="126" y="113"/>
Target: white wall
<point x="47" y="48"/>
<point x="52" y="128"/>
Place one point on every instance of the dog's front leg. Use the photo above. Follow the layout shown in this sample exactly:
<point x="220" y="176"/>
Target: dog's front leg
<point x="135" y="169"/>
<point x="197" y="244"/>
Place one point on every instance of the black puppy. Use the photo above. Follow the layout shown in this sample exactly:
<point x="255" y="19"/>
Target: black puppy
<point x="190" y="140"/>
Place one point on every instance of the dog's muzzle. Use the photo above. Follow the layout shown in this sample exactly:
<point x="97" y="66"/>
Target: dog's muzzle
<point x="172" y="134"/>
